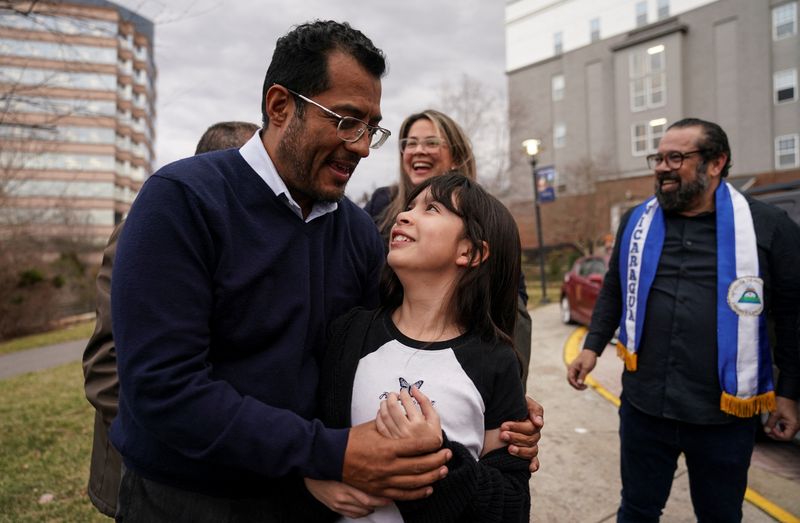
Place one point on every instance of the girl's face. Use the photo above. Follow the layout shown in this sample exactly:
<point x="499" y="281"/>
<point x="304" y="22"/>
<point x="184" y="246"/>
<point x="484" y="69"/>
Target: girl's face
<point x="427" y="237"/>
<point x="425" y="152"/>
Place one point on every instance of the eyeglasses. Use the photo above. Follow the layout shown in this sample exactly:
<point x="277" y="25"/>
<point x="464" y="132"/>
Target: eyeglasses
<point x="429" y="144"/>
<point x="351" y="129"/>
<point x="673" y="159"/>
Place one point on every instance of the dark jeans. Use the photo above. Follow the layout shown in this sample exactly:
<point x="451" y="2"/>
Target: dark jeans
<point x="144" y="501"/>
<point x="717" y="457"/>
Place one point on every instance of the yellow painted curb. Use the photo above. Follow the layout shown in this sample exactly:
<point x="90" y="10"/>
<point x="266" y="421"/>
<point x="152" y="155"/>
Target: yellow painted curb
<point x="571" y="350"/>
<point x="769" y="507"/>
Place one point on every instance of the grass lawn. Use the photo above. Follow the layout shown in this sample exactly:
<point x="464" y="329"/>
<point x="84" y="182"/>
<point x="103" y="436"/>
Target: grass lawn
<point x="74" y="332"/>
<point x="535" y="292"/>
<point x="45" y="443"/>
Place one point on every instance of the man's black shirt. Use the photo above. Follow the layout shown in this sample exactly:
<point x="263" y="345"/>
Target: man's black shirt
<point x="676" y="374"/>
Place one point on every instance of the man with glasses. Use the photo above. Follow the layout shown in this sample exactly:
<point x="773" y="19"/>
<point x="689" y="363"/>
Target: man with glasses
<point x="229" y="270"/>
<point x="694" y="275"/>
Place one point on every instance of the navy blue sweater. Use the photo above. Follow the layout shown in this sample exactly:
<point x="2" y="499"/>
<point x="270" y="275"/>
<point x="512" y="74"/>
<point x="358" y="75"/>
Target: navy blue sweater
<point x="221" y="297"/>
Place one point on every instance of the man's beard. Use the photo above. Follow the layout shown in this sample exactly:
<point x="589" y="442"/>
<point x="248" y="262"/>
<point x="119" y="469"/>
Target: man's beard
<point x="299" y="160"/>
<point x="686" y="194"/>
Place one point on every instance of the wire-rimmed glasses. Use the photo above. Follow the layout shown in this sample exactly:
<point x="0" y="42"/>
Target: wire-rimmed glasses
<point x="350" y="129"/>
<point x="429" y="144"/>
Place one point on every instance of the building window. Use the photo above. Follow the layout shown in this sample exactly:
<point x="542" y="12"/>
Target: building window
<point x="786" y="151"/>
<point x="641" y="14"/>
<point x="57" y="161"/>
<point x="657" y="129"/>
<point x="58" y="24"/>
<point x="594" y="29"/>
<point x="639" y="139"/>
<point x="785" y="85"/>
<point x="648" y="79"/>
<point x="55" y="78"/>
<point x="558" y="42"/>
<point x="58" y="51"/>
<point x="558" y="87"/>
<point x="646" y="135"/>
<point x="784" y="20"/>
<point x="663" y="9"/>
<point x="559" y="135"/>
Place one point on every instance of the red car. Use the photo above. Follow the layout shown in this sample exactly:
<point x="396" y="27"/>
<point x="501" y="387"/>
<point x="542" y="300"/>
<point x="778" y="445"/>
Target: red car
<point x="580" y="288"/>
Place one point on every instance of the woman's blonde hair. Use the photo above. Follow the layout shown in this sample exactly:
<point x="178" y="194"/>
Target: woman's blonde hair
<point x="460" y="150"/>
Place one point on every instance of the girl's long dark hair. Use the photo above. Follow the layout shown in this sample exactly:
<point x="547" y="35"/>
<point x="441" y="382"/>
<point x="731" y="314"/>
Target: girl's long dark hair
<point x="485" y="296"/>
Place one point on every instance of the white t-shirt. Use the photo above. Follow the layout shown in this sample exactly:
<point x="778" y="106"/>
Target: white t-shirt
<point x="474" y="385"/>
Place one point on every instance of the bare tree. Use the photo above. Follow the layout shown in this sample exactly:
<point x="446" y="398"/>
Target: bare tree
<point x="481" y="110"/>
<point x="20" y="7"/>
<point x="581" y="223"/>
<point x="43" y="232"/>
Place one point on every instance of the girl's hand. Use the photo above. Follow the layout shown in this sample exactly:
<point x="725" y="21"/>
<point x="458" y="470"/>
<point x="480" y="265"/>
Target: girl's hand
<point x="400" y="417"/>
<point x="344" y="499"/>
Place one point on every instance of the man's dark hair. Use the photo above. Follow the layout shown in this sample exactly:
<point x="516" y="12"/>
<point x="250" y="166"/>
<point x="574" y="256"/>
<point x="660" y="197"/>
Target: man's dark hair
<point x="714" y="142"/>
<point x="300" y="60"/>
<point x="225" y="135"/>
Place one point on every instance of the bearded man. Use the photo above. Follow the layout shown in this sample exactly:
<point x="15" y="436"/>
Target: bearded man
<point x="695" y="273"/>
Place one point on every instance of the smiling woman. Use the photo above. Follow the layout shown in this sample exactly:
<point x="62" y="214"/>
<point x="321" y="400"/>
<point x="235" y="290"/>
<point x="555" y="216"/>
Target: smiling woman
<point x="431" y="144"/>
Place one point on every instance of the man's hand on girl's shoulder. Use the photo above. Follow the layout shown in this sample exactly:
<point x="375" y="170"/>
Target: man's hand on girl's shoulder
<point x="523" y="436"/>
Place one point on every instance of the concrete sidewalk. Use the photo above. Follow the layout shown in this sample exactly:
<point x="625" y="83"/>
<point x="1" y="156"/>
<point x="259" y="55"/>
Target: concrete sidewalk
<point x="40" y="359"/>
<point x="579" y="476"/>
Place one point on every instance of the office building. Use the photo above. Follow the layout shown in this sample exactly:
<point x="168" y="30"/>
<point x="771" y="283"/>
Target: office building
<point x="77" y="120"/>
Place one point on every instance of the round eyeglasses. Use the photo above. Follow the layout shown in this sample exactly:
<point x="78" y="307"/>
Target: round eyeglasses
<point x="673" y="159"/>
<point x="351" y="129"/>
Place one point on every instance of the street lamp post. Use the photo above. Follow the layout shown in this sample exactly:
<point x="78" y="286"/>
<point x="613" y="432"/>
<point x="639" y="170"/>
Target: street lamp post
<point x="532" y="150"/>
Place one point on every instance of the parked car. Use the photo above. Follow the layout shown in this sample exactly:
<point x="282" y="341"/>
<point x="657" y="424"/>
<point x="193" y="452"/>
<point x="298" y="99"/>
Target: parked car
<point x="784" y="195"/>
<point x="580" y="288"/>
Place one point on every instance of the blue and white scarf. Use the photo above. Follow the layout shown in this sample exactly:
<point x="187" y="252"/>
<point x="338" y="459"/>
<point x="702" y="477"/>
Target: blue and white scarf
<point x="744" y="363"/>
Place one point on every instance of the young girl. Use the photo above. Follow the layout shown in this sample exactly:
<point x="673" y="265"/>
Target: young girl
<point x="449" y="305"/>
<point x="433" y="144"/>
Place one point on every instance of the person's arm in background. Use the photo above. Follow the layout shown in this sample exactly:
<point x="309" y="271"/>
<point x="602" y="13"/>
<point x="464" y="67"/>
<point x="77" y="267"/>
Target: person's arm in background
<point x="784" y="259"/>
<point x="523" y="330"/>
<point x="99" y="358"/>
<point x="523" y="437"/>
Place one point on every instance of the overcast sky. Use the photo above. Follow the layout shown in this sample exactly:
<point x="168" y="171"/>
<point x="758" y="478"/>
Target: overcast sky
<point x="212" y="56"/>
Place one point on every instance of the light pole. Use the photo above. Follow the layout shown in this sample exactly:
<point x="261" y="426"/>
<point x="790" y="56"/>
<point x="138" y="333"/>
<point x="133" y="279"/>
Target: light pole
<point x="532" y="150"/>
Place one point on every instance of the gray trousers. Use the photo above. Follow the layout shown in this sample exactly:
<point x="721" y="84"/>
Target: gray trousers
<point x="144" y="501"/>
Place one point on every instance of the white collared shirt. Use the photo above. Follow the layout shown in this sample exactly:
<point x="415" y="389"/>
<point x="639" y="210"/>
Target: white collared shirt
<point x="256" y="156"/>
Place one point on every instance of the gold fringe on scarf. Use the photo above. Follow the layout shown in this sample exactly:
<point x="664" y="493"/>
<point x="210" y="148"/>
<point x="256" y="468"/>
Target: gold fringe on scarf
<point x="628" y="357"/>
<point x="747" y="407"/>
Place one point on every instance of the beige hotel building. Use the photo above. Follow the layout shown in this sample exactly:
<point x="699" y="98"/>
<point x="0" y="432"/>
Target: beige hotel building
<point x="76" y="120"/>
